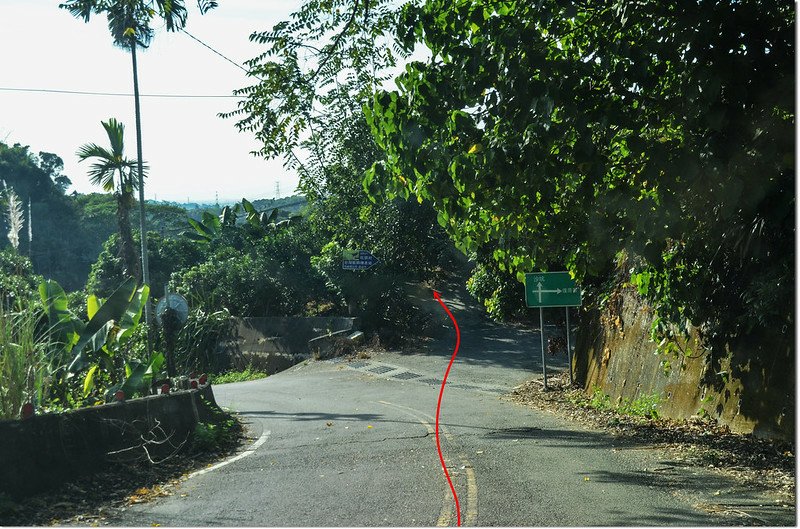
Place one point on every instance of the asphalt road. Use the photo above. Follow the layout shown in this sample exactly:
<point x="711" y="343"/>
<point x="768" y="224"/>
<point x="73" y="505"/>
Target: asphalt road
<point x="340" y="443"/>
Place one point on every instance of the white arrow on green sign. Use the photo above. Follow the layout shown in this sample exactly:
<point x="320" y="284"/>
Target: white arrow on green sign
<point x="551" y="289"/>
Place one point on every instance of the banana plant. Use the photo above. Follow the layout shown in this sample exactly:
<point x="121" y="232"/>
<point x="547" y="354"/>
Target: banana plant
<point x="139" y="376"/>
<point x="93" y="346"/>
<point x="65" y="329"/>
<point x="211" y="227"/>
<point x="206" y="230"/>
<point x="115" y="321"/>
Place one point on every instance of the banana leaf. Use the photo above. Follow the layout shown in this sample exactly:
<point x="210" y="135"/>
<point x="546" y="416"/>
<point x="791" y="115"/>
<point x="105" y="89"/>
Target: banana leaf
<point x="112" y="310"/>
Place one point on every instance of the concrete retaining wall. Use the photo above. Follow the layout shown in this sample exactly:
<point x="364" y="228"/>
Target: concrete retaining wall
<point x="277" y="343"/>
<point x="46" y="450"/>
<point x="754" y="390"/>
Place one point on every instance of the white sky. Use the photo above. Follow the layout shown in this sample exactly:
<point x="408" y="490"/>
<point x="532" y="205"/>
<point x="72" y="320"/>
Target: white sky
<point x="192" y="153"/>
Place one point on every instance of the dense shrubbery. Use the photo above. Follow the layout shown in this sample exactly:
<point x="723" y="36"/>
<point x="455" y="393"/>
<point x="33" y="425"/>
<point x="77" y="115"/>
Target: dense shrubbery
<point x="17" y="279"/>
<point x="198" y="341"/>
<point x="499" y="291"/>
<point x="273" y="277"/>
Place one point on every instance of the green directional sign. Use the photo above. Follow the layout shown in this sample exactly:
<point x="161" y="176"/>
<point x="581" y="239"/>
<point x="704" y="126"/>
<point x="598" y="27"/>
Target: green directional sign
<point x="551" y="289"/>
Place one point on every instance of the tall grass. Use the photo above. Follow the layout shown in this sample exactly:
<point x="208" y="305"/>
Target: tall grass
<point x="199" y="339"/>
<point x="23" y="361"/>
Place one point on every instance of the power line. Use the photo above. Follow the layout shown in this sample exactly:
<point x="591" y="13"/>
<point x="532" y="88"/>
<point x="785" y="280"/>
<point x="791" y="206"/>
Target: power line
<point x="121" y="94"/>
<point x="113" y="94"/>
<point x="245" y="70"/>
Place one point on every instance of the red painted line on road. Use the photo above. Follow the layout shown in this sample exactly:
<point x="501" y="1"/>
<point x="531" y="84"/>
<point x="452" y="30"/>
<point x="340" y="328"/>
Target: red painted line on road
<point x="438" y="298"/>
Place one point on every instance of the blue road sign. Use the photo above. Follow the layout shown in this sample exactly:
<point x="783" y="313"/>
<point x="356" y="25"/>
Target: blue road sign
<point x="358" y="260"/>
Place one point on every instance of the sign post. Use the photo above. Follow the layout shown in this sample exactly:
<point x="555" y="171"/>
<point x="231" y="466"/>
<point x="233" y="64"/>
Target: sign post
<point x="552" y="289"/>
<point x="569" y="351"/>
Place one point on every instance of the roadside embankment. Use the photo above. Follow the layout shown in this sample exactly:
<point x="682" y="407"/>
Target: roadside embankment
<point x="751" y="390"/>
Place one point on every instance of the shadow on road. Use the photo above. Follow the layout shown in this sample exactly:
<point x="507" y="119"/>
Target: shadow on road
<point x="667" y="517"/>
<point x="372" y="418"/>
<point x="484" y="342"/>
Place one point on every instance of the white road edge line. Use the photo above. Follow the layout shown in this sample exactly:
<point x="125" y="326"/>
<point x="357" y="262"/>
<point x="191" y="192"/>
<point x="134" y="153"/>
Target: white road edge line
<point x="261" y="440"/>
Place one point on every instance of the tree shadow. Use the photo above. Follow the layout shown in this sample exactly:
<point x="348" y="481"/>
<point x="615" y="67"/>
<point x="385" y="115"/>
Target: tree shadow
<point x="485" y="342"/>
<point x="373" y="418"/>
<point x="315" y="416"/>
<point x="666" y="517"/>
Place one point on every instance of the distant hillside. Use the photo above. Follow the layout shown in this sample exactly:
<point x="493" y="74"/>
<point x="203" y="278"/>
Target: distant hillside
<point x="288" y="206"/>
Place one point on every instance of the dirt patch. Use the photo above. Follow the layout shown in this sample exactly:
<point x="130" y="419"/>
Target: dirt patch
<point x="760" y="463"/>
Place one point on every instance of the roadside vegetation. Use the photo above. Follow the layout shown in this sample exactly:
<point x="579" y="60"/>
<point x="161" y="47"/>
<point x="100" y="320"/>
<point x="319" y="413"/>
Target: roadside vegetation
<point x="237" y="376"/>
<point x="645" y="406"/>
<point x="632" y="142"/>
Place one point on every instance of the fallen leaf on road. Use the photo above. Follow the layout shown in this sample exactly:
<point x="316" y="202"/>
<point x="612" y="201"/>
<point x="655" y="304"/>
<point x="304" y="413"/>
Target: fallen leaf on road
<point x="328" y="424"/>
<point x="585" y="478"/>
<point x="369" y="426"/>
<point x="479" y="452"/>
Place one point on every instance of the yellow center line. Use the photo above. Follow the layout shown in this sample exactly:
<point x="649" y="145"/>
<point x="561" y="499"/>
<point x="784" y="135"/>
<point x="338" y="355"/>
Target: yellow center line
<point x="445" y="515"/>
<point x="471" y="506"/>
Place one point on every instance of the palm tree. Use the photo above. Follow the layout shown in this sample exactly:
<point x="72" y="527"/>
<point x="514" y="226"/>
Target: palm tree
<point x="115" y="174"/>
<point x="129" y="23"/>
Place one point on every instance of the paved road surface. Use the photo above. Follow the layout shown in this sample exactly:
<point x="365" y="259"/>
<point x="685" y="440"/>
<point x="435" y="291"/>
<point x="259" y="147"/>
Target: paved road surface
<point x="351" y="444"/>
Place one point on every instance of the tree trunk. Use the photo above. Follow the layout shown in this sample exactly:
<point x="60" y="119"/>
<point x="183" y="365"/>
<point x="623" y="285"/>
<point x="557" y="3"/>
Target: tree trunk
<point x="142" y="227"/>
<point x="127" y="248"/>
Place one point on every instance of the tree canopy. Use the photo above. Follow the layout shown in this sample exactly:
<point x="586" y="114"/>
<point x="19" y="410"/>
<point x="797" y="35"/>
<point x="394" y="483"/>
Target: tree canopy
<point x="567" y="132"/>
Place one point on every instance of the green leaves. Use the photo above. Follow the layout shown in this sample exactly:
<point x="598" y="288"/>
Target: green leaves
<point x="560" y="134"/>
<point x="64" y="327"/>
<point x="95" y="345"/>
<point x="139" y="376"/>
<point x="326" y="52"/>
<point x="104" y="324"/>
<point x="129" y="20"/>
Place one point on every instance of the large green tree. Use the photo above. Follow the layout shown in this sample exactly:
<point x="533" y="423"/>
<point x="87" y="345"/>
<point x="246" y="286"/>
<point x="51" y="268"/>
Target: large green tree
<point x="115" y="174"/>
<point x="318" y="69"/>
<point x="130" y="23"/>
<point x="566" y="132"/>
<point x="52" y="237"/>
